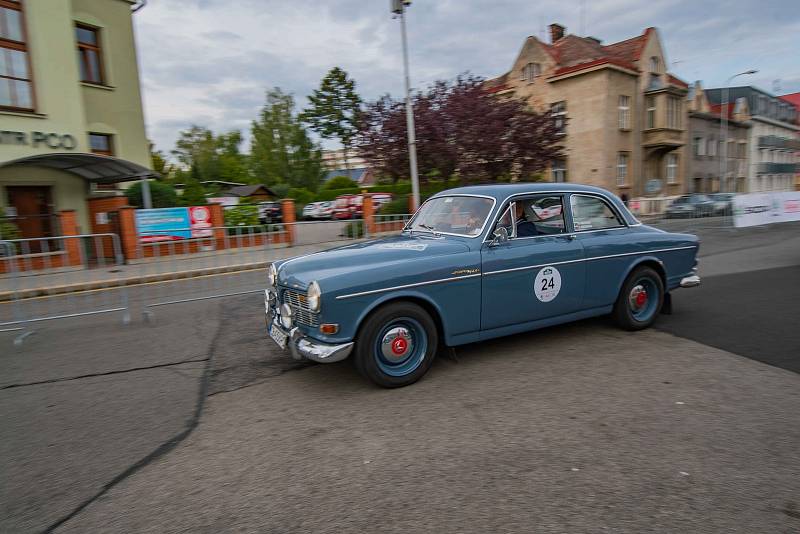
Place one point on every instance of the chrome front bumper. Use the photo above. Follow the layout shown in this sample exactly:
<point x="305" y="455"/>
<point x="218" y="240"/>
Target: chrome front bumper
<point x="303" y="347"/>
<point x="690" y="281"/>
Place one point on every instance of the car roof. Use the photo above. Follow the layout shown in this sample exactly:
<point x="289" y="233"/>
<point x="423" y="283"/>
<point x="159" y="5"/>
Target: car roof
<point x="503" y="191"/>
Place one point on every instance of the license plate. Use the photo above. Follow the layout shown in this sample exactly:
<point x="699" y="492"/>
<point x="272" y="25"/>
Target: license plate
<point x="278" y="336"/>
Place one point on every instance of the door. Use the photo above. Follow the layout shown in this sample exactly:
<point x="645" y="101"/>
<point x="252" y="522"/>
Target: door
<point x="539" y="272"/>
<point x="34" y="211"/>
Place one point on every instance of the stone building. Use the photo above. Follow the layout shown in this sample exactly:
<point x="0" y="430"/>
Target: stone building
<point x="773" y="143"/>
<point x="625" y="121"/>
<point x="703" y="163"/>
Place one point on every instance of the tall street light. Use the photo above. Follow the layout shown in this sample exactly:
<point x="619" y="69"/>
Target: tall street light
<point x="723" y="135"/>
<point x="398" y="7"/>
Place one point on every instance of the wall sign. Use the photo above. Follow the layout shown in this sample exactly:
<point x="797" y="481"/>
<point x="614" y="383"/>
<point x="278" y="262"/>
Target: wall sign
<point x="173" y="224"/>
<point x="52" y="140"/>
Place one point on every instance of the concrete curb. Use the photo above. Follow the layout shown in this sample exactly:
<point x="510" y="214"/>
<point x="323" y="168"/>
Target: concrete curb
<point x="128" y="281"/>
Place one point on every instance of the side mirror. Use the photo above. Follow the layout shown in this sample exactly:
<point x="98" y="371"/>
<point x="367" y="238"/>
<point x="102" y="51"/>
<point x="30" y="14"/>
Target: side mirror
<point x="500" y="236"/>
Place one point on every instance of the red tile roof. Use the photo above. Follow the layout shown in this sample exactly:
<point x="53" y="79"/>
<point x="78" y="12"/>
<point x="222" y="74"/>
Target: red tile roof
<point x="674" y="80"/>
<point x="716" y="109"/>
<point x="793" y="98"/>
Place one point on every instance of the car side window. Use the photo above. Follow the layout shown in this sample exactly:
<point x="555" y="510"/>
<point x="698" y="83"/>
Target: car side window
<point x="592" y="213"/>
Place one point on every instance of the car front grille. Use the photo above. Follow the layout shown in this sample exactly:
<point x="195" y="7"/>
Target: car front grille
<point x="298" y="301"/>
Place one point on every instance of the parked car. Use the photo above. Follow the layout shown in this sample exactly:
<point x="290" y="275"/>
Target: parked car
<point x="694" y="205"/>
<point x="381" y="199"/>
<point x="318" y="210"/>
<point x="348" y="207"/>
<point x="475" y="263"/>
<point x="270" y="212"/>
<point x="723" y="203"/>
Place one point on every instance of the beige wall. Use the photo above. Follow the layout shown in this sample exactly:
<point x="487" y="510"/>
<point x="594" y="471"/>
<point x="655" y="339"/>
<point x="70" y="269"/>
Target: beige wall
<point x="117" y="108"/>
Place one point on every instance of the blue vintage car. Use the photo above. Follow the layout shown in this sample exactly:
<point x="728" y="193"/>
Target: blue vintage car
<point x="476" y="263"/>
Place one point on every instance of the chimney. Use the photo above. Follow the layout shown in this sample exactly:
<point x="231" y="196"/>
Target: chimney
<point x="556" y="32"/>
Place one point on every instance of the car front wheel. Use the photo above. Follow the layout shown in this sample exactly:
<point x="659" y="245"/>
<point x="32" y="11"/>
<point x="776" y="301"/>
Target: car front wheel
<point x="639" y="300"/>
<point x="396" y="345"/>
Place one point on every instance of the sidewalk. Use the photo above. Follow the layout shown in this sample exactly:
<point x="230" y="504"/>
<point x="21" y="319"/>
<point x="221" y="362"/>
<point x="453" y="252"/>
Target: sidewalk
<point x="28" y="285"/>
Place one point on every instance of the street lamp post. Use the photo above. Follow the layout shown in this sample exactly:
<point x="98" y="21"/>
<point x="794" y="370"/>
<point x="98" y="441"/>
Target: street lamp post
<point x="398" y="8"/>
<point x="723" y="135"/>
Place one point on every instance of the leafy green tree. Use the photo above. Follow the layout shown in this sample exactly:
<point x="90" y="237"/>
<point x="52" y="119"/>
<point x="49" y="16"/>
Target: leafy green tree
<point x="242" y="215"/>
<point x="340" y="182"/>
<point x="333" y="110"/>
<point x="159" y="162"/>
<point x="281" y="151"/>
<point x="193" y="192"/>
<point x="162" y="195"/>
<point x="216" y="157"/>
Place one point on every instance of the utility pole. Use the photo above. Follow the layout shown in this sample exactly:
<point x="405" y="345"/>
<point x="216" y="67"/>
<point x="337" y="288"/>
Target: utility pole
<point x="398" y="7"/>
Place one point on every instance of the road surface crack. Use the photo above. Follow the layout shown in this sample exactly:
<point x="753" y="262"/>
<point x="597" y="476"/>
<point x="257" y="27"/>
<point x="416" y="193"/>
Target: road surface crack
<point x="105" y="373"/>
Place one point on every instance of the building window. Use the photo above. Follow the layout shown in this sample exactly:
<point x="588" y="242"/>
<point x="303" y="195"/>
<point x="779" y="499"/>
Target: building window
<point x="672" y="168"/>
<point x="559" y="170"/>
<point x="651" y="112"/>
<point x="531" y="71"/>
<point x="622" y="168"/>
<point x="673" y="113"/>
<point x="711" y="147"/>
<point x="101" y="144"/>
<point x="699" y="146"/>
<point x="16" y="81"/>
<point x="559" y="112"/>
<point x="624" y="112"/>
<point x="89" y="54"/>
<point x="654" y="64"/>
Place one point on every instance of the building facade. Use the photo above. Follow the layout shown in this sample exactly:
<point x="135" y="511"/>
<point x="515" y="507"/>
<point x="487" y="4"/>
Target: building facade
<point x="794" y="100"/>
<point x="704" y="167"/>
<point x="772" y="141"/>
<point x="70" y="108"/>
<point x="624" y="118"/>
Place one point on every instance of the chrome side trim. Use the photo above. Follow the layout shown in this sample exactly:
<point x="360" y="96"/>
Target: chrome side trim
<point x="406" y="286"/>
<point x="586" y="259"/>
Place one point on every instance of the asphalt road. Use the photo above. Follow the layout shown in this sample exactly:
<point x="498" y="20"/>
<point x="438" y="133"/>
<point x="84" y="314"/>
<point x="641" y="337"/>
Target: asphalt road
<point x="580" y="428"/>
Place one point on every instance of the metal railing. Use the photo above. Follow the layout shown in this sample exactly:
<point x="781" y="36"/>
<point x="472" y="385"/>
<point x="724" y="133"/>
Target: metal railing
<point x="79" y="278"/>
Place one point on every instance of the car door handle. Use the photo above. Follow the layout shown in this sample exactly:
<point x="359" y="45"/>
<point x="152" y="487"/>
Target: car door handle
<point x="568" y="237"/>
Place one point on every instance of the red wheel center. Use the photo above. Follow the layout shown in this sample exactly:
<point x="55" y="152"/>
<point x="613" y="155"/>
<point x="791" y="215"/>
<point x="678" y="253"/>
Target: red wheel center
<point x="399" y="346"/>
<point x="641" y="299"/>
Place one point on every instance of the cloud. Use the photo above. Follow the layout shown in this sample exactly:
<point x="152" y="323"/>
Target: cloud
<point x="210" y="62"/>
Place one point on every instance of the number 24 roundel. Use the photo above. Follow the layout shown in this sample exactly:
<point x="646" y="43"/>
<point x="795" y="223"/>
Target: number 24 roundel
<point x="547" y="284"/>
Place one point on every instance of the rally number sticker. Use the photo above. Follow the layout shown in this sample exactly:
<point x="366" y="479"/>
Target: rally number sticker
<point x="547" y="284"/>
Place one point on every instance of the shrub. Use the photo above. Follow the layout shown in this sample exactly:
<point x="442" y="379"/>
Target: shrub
<point x="8" y="230"/>
<point x="280" y="190"/>
<point x="241" y="215"/>
<point x="339" y="182"/>
<point x="398" y="206"/>
<point x="354" y="230"/>
<point x="162" y="195"/>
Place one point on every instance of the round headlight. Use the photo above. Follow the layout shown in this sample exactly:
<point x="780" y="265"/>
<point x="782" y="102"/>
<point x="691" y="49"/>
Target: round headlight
<point x="272" y="275"/>
<point x="286" y="316"/>
<point x="314" y="295"/>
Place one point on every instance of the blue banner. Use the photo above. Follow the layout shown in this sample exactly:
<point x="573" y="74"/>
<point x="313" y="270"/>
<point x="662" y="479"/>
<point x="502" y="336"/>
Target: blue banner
<point x="163" y="224"/>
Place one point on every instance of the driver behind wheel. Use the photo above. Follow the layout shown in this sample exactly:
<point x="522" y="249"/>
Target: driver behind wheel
<point x="525" y="228"/>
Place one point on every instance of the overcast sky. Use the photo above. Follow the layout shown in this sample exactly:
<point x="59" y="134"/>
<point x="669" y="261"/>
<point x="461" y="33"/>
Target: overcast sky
<point x="209" y="62"/>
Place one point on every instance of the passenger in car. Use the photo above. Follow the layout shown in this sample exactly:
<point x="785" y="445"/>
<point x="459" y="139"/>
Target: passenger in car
<point x="525" y="228"/>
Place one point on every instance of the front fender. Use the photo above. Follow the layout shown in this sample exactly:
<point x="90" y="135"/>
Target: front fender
<point x="408" y="294"/>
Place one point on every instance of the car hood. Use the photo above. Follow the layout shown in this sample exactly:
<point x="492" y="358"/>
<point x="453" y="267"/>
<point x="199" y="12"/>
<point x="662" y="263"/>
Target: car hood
<point x="379" y="254"/>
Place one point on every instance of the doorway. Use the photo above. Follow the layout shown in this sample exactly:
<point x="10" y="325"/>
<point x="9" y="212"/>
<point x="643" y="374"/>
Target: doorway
<point x="34" y="211"/>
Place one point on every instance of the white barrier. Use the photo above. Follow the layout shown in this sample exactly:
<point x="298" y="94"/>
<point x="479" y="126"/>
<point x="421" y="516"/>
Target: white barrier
<point x="755" y="209"/>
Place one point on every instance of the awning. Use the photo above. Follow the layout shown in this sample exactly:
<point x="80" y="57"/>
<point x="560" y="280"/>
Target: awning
<point x="94" y="168"/>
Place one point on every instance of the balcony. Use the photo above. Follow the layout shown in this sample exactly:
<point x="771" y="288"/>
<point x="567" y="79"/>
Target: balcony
<point x="776" y="142"/>
<point x="662" y="138"/>
<point x="777" y="168"/>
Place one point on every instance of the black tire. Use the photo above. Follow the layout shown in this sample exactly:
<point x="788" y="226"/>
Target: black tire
<point x="425" y="341"/>
<point x="631" y="314"/>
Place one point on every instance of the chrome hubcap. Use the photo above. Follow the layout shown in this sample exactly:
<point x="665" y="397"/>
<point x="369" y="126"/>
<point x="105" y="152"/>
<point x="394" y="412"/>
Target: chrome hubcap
<point x="638" y="298"/>
<point x="397" y="343"/>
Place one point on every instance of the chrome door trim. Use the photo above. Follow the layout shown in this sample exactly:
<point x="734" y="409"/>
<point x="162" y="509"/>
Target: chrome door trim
<point x="587" y="259"/>
<point x="406" y="286"/>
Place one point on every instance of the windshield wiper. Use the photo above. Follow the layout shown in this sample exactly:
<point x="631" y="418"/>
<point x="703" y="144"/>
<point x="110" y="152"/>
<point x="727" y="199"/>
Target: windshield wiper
<point x="429" y="228"/>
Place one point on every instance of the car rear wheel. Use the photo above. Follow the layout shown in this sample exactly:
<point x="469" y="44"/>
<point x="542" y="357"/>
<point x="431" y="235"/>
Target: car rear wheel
<point x="639" y="300"/>
<point x="396" y="345"/>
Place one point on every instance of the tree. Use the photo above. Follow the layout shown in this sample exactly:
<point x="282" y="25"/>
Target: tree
<point x="162" y="195"/>
<point x="281" y="151"/>
<point x="333" y="110"/>
<point x="461" y="130"/>
<point x="193" y="192"/>
<point x="340" y="182"/>
<point x="159" y="162"/>
<point x="216" y="157"/>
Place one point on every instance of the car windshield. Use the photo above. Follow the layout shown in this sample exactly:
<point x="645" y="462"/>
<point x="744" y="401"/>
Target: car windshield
<point x="460" y="215"/>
